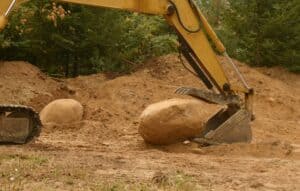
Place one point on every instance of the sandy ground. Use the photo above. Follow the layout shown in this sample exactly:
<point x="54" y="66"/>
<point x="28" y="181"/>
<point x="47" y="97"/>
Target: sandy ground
<point x="105" y="151"/>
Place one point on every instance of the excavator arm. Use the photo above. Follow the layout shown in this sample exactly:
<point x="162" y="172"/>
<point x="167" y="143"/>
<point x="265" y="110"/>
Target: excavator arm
<point x="195" y="37"/>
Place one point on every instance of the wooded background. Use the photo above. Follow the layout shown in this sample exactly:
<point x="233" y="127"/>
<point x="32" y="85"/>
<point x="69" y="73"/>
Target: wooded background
<point x="68" y="40"/>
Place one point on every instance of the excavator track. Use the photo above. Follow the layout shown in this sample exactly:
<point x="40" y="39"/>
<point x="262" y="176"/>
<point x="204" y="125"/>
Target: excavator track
<point x="18" y="118"/>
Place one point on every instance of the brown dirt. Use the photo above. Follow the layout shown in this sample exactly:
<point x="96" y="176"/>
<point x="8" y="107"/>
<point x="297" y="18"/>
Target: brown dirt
<point x="106" y="146"/>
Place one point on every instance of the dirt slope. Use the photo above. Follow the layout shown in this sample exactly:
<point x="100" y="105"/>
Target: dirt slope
<point x="106" y="145"/>
<point x="20" y="82"/>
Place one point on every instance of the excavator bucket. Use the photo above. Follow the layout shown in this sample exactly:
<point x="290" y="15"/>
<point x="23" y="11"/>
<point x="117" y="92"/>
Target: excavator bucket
<point x="18" y="124"/>
<point x="231" y="125"/>
<point x="227" y="127"/>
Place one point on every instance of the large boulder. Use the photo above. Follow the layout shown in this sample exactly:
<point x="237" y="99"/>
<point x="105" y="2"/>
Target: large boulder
<point x="62" y="111"/>
<point x="174" y="120"/>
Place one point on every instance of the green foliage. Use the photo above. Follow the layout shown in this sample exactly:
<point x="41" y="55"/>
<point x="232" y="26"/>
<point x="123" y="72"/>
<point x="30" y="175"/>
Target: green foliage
<point x="264" y="33"/>
<point x="88" y="40"/>
<point x="75" y="39"/>
<point x="212" y="10"/>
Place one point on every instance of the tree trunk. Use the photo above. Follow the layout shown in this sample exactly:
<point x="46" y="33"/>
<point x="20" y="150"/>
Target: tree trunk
<point x="75" y="66"/>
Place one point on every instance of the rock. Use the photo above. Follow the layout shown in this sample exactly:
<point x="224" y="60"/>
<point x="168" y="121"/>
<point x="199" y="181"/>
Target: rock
<point x="256" y="185"/>
<point x="174" y="120"/>
<point x="271" y="99"/>
<point x="62" y="111"/>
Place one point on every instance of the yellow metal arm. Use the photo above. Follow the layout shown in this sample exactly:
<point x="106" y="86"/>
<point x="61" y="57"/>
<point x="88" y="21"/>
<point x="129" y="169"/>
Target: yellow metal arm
<point x="157" y="7"/>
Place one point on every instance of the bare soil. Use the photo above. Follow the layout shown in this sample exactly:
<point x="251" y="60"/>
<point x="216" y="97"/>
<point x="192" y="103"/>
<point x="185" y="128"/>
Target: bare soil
<point x="105" y="149"/>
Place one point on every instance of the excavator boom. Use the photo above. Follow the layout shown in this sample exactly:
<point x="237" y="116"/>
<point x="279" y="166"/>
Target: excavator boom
<point x="194" y="33"/>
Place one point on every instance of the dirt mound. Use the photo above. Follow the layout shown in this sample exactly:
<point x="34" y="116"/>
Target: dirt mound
<point x="19" y="69"/>
<point x="119" y="102"/>
<point x="108" y="135"/>
<point x="20" y="82"/>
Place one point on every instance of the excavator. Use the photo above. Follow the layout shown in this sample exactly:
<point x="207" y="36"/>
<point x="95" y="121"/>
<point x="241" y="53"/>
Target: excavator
<point x="197" y="43"/>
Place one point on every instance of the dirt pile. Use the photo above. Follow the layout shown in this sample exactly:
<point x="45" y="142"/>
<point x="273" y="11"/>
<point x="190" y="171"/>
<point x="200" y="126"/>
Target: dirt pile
<point x="119" y="102"/>
<point x="108" y="135"/>
<point x="20" y="82"/>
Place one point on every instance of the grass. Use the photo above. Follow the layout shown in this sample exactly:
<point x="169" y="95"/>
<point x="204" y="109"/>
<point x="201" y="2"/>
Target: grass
<point x="37" y="172"/>
<point x="176" y="182"/>
<point x="15" y="167"/>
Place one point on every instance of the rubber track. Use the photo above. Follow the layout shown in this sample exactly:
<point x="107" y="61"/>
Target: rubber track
<point x="34" y="116"/>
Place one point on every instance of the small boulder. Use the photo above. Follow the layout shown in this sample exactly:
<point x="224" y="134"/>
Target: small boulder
<point x="62" y="111"/>
<point x="174" y="120"/>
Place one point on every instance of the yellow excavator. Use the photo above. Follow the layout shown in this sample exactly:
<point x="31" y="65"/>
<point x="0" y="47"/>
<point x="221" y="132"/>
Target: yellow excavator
<point x="19" y="124"/>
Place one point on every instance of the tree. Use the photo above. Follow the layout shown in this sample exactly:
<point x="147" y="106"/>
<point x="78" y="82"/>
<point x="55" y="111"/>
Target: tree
<point x="74" y="39"/>
<point x="264" y="33"/>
